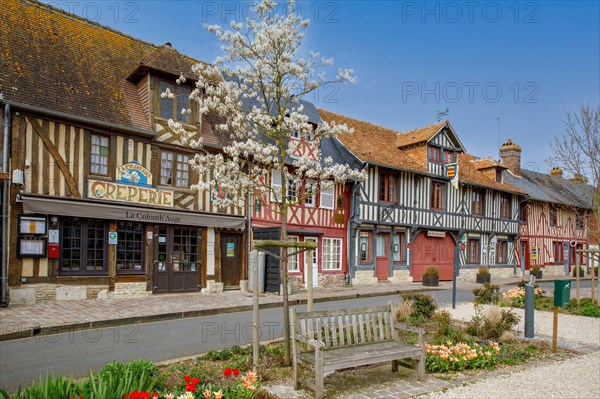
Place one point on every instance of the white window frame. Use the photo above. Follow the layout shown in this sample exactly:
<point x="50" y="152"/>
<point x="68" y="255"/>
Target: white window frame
<point x="293" y="259"/>
<point x="327" y="253"/>
<point x="292" y="192"/>
<point x="329" y="193"/>
<point x="276" y="186"/>
<point x="313" y="197"/>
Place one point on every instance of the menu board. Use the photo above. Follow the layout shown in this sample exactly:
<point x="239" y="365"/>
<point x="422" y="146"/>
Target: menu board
<point x="31" y="247"/>
<point x="32" y="225"/>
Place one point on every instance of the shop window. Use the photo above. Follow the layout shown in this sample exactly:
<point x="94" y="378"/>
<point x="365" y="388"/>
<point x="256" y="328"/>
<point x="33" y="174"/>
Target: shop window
<point x="501" y="252"/>
<point x="83" y="246"/>
<point x="130" y="247"/>
<point x="185" y="249"/>
<point x="332" y="254"/>
<point x="398" y="245"/>
<point x="473" y="251"/>
<point x="99" y="155"/>
<point x="365" y="246"/>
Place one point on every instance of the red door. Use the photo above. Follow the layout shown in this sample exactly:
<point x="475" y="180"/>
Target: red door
<point x="433" y="251"/>
<point x="382" y="257"/>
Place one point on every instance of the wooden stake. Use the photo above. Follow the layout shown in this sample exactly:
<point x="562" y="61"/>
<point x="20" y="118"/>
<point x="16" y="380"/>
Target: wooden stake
<point x="555" y="329"/>
<point x="577" y="274"/>
<point x="593" y="273"/>
<point x="309" y="283"/>
<point x="255" y="313"/>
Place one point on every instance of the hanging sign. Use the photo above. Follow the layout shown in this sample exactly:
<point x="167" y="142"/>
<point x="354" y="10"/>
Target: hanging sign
<point x="452" y="173"/>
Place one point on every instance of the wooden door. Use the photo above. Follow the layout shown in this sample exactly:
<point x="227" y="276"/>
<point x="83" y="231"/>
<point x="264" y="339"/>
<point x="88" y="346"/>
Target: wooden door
<point x="433" y="251"/>
<point x="382" y="258"/>
<point x="177" y="259"/>
<point x="524" y="254"/>
<point x="231" y="259"/>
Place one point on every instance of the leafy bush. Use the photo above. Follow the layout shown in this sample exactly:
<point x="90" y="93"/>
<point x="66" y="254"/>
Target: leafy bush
<point x="590" y="311"/>
<point x="483" y="270"/>
<point x="136" y="368"/>
<point x="492" y="323"/>
<point x="581" y="271"/>
<point x="405" y="310"/>
<point x="431" y="271"/>
<point x="424" y="305"/>
<point x="487" y="294"/>
<point x="446" y="331"/>
<point x="511" y="355"/>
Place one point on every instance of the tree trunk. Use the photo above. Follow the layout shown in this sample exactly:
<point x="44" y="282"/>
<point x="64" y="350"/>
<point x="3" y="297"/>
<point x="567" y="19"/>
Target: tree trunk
<point x="284" y="270"/>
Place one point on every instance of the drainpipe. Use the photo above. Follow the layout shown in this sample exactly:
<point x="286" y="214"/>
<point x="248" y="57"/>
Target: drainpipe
<point x="352" y="233"/>
<point x="3" y="273"/>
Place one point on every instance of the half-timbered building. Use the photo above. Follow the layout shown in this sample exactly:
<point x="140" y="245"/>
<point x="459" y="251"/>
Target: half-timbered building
<point x="100" y="199"/>
<point x="408" y="215"/>
<point x="555" y="219"/>
<point x="321" y="218"/>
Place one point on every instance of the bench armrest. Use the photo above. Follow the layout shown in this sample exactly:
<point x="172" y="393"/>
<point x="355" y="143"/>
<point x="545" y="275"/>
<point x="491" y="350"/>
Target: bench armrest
<point x="312" y="342"/>
<point x="406" y="327"/>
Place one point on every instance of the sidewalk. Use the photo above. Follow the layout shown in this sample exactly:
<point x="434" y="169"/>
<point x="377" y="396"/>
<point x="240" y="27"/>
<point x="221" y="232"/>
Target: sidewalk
<point x="21" y="321"/>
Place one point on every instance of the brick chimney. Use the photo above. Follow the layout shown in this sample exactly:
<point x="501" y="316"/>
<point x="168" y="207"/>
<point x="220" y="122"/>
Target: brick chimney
<point x="510" y="154"/>
<point x="556" y="172"/>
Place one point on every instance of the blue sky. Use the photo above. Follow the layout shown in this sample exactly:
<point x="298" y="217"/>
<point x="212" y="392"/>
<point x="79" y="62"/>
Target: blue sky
<point x="523" y="62"/>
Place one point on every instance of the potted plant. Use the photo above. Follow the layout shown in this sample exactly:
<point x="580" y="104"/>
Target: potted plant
<point x="483" y="275"/>
<point x="536" y="270"/>
<point x="581" y="271"/>
<point x="431" y="277"/>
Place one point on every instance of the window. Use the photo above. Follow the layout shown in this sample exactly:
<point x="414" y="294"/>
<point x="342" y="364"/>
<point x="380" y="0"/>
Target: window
<point x="82" y="246"/>
<point x="473" y="252"/>
<point x="293" y="264"/>
<point x="498" y="175"/>
<point x="130" y="246"/>
<point x="523" y="213"/>
<point x="327" y="198"/>
<point x="365" y="246"/>
<point x="557" y="251"/>
<point x="553" y="215"/>
<point x="381" y="247"/>
<point x="99" y="152"/>
<point x="292" y="192"/>
<point x="398" y="247"/>
<point x="332" y="253"/>
<point x="438" y="193"/>
<point x="311" y="199"/>
<point x="505" y="206"/>
<point x="386" y="187"/>
<point x="579" y="223"/>
<point x="276" y="186"/>
<point x="502" y="252"/>
<point x="449" y="156"/>
<point x="172" y="108"/>
<point x="477" y="202"/>
<point x="174" y="168"/>
<point x="434" y="154"/>
<point x="295" y="134"/>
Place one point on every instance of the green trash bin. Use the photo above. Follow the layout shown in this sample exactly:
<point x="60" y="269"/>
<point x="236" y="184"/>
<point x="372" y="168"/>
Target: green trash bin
<point x="562" y="292"/>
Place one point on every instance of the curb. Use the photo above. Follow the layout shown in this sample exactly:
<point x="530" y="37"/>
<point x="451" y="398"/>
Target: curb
<point x="41" y="331"/>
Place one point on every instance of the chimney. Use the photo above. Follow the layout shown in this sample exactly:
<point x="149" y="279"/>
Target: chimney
<point x="579" y="178"/>
<point x="556" y="172"/>
<point x="510" y="154"/>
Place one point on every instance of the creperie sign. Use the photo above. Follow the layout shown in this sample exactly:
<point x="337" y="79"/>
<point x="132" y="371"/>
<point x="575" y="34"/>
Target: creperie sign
<point x="105" y="190"/>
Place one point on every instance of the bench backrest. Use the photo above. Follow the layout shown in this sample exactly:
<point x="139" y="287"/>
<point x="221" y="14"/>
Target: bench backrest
<point x="346" y="327"/>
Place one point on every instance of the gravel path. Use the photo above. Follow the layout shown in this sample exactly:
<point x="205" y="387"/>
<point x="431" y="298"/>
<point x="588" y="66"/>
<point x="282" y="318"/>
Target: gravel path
<point x="573" y="378"/>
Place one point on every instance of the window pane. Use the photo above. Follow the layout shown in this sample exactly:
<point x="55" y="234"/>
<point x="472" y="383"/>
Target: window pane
<point x="99" y="155"/>
<point x="293" y="259"/>
<point x="381" y="247"/>
<point x="364" y="243"/>
<point x="130" y="246"/>
<point x="183" y="103"/>
<point x="166" y="104"/>
<point x="166" y="168"/>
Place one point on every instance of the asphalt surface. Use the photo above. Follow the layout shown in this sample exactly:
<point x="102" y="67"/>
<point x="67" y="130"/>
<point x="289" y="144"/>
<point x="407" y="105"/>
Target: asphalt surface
<point x="74" y="353"/>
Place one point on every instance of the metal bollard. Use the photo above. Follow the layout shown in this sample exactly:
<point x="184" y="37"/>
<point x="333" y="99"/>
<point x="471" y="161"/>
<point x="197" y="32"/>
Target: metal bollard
<point x="529" y="297"/>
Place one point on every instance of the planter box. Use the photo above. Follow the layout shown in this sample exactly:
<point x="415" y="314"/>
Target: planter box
<point x="537" y="275"/>
<point x="484" y="278"/>
<point x="431" y="281"/>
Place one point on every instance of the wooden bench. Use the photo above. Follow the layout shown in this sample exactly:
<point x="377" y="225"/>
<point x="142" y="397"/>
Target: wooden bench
<point x="330" y="340"/>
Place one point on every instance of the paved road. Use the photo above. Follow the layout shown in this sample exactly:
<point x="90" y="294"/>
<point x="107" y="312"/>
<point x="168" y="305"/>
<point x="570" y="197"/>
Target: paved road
<point x="69" y="353"/>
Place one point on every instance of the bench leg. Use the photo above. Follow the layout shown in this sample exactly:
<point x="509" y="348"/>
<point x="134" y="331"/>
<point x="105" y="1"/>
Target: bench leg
<point x="319" y="374"/>
<point x="394" y="366"/>
<point x="421" y="368"/>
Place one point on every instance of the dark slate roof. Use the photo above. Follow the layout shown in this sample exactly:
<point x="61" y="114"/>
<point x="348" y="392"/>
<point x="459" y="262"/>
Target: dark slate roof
<point x="332" y="147"/>
<point x="554" y="189"/>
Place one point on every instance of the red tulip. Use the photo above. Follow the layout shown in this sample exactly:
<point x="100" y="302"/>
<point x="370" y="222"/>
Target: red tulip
<point x="187" y="378"/>
<point x="236" y="372"/>
<point x="195" y="381"/>
<point x="190" y="387"/>
<point x="227" y="372"/>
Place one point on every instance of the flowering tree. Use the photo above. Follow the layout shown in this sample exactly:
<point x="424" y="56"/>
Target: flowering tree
<point x="255" y="92"/>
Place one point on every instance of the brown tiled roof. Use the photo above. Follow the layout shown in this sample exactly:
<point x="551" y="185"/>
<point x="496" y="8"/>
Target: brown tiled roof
<point x="470" y="174"/>
<point x="420" y="135"/>
<point x="373" y="143"/>
<point x="64" y="63"/>
<point x="167" y="59"/>
<point x="487" y="163"/>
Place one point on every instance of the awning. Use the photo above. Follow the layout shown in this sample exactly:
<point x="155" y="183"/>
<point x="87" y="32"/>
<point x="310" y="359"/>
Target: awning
<point x="108" y="210"/>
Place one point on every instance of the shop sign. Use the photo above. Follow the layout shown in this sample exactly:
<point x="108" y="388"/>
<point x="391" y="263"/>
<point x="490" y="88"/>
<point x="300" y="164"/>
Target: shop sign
<point x="112" y="237"/>
<point x="133" y="183"/>
<point x="438" y="234"/>
<point x="230" y="250"/>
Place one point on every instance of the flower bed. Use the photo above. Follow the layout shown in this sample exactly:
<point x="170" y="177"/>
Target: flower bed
<point x="460" y="356"/>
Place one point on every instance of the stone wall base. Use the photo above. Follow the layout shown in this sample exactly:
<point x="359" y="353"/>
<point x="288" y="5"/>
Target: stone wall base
<point x="553" y="270"/>
<point x="332" y="280"/>
<point x="401" y="276"/>
<point x="212" y="287"/>
<point x="39" y="293"/>
<point x="364" y="277"/>
<point x="131" y="290"/>
<point x="469" y="275"/>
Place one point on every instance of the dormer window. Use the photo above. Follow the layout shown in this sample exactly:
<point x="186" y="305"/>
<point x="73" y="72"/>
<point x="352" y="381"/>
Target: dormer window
<point x="434" y="154"/>
<point x="499" y="175"/>
<point x="449" y="157"/>
<point x="172" y="108"/>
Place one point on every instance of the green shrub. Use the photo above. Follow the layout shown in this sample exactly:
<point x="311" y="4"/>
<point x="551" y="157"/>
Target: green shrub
<point x="446" y="331"/>
<point x="492" y="323"/>
<point x="136" y="369"/>
<point x="581" y="271"/>
<point x="424" y="306"/>
<point x="489" y="293"/>
<point x="590" y="311"/>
